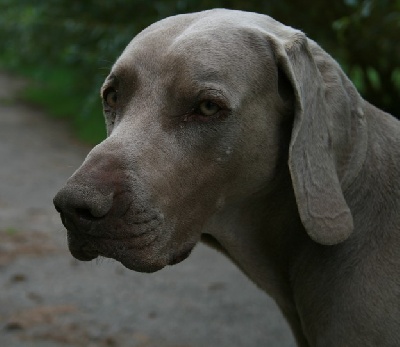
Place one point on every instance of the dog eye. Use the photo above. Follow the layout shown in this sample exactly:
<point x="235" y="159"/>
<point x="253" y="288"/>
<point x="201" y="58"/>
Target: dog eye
<point x="110" y="97"/>
<point x="208" y="108"/>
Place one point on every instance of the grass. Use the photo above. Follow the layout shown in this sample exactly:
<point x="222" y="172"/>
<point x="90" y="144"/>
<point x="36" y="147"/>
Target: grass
<point x="61" y="92"/>
<point x="10" y="231"/>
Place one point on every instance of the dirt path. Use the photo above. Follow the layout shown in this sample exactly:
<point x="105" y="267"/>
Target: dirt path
<point x="48" y="299"/>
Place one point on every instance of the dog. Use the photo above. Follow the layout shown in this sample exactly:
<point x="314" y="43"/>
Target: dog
<point x="231" y="128"/>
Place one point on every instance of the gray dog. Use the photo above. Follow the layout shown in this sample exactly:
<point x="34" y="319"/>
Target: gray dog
<point x="231" y="128"/>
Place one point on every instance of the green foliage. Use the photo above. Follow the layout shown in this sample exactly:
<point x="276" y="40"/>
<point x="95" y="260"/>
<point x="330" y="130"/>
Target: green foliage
<point x="69" y="46"/>
<point x="60" y="92"/>
<point x="369" y="39"/>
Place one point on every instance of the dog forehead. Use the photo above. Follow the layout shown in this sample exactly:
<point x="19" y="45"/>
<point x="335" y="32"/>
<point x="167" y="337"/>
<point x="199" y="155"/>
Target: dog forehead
<point x="199" y="39"/>
<point x="195" y="31"/>
<point x="216" y="19"/>
<point x="224" y="46"/>
<point x="207" y="24"/>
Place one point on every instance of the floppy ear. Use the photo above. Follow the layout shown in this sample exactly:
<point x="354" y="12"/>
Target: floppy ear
<point x="321" y="204"/>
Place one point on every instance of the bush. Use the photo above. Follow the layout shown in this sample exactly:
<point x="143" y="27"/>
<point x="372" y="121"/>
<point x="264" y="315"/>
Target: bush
<point x="58" y="42"/>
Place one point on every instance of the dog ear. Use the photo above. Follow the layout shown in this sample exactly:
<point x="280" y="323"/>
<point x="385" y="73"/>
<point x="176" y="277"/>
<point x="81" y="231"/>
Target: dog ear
<point x="321" y="204"/>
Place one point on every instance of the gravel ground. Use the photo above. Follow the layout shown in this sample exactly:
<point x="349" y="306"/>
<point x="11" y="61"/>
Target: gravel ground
<point x="48" y="299"/>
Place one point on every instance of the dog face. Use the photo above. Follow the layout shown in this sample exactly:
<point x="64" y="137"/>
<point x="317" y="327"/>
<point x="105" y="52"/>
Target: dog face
<point x="202" y="112"/>
<point x="190" y="124"/>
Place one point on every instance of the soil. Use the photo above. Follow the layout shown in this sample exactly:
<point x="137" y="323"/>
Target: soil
<point x="49" y="299"/>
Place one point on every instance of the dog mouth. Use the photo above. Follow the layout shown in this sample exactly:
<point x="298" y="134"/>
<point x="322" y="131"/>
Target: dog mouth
<point x="142" y="253"/>
<point x="132" y="252"/>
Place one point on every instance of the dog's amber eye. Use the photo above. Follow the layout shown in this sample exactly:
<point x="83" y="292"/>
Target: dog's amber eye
<point x="208" y="108"/>
<point x="110" y="96"/>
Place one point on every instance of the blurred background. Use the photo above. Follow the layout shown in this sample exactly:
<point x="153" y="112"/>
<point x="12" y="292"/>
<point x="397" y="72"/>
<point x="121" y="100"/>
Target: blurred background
<point x="56" y="42"/>
<point x="64" y="49"/>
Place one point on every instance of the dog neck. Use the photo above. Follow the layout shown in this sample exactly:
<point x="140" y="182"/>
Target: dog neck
<point x="262" y="236"/>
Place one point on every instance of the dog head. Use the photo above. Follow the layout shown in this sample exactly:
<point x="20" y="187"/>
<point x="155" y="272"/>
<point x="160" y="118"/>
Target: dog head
<point x="197" y="109"/>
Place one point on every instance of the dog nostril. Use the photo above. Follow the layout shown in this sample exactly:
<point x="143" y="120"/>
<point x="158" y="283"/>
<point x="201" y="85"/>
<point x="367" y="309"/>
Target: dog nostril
<point x="85" y="213"/>
<point x="75" y="202"/>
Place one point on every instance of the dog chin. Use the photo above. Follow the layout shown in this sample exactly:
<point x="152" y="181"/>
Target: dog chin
<point x="83" y="255"/>
<point x="181" y="256"/>
<point x="138" y="266"/>
<point x="148" y="258"/>
<point x="149" y="266"/>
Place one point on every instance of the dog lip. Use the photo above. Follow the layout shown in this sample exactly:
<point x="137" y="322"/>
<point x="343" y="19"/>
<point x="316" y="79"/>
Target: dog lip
<point x="182" y="255"/>
<point x="80" y="248"/>
<point x="87" y="247"/>
<point x="83" y="254"/>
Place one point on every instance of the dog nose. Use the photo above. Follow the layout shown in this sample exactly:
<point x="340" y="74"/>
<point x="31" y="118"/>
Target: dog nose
<point x="79" y="206"/>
